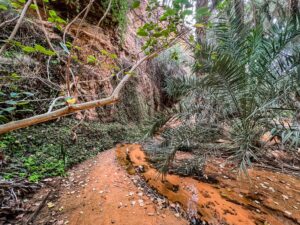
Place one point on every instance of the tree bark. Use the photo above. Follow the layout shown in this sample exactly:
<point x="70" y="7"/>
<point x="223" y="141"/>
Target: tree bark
<point x="256" y="16"/>
<point x="294" y="8"/>
<point x="239" y="11"/>
<point x="200" y="32"/>
<point x="214" y="4"/>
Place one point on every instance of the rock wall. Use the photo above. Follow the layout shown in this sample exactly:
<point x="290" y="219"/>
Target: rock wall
<point x="99" y="80"/>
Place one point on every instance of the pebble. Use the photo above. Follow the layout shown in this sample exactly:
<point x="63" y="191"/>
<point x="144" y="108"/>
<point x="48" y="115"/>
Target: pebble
<point x="172" y="205"/>
<point x="272" y="189"/>
<point x="177" y="215"/>
<point x="132" y="203"/>
<point x="263" y="186"/>
<point x="285" y="197"/>
<point x="288" y="213"/>
<point x="141" y="202"/>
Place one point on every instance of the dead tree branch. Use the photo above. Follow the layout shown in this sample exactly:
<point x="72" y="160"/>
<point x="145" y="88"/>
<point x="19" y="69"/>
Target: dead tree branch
<point x="68" y="110"/>
<point x="16" y="28"/>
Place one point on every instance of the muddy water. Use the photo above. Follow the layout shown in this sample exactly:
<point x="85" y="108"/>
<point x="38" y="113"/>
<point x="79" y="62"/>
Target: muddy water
<point x="267" y="198"/>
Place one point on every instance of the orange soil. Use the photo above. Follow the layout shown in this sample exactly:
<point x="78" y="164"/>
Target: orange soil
<point x="104" y="195"/>
<point x="268" y="198"/>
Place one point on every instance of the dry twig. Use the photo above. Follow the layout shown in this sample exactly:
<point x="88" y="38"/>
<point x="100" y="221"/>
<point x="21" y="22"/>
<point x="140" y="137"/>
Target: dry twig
<point x="16" y="28"/>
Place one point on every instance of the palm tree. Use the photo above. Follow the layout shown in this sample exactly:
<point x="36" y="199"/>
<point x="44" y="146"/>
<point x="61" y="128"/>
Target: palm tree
<point x="252" y="80"/>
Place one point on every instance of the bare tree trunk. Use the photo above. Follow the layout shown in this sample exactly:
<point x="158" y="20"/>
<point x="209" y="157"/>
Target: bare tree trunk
<point x="200" y="32"/>
<point x="200" y="35"/>
<point x="256" y="16"/>
<point x="239" y="6"/>
<point x="294" y="8"/>
<point x="214" y="4"/>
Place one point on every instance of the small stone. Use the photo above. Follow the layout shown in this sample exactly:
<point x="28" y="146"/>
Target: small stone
<point x="172" y="205"/>
<point x="263" y="186"/>
<point x="285" y="197"/>
<point x="150" y="214"/>
<point x="132" y="203"/>
<point x="177" y="215"/>
<point x="50" y="205"/>
<point x="272" y="189"/>
<point x="113" y="221"/>
<point x="141" y="202"/>
<point x="288" y="213"/>
<point x="81" y="212"/>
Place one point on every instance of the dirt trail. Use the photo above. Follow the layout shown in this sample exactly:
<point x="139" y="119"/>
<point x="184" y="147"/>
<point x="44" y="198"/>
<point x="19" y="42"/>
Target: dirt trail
<point x="100" y="192"/>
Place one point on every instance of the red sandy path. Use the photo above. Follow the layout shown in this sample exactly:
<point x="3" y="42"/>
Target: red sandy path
<point x="87" y="206"/>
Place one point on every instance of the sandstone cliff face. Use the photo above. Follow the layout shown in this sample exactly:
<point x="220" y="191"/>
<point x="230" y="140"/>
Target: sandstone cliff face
<point x="100" y="58"/>
<point x="98" y="80"/>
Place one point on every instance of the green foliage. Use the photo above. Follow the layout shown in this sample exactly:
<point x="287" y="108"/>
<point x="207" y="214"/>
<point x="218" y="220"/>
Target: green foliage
<point x="36" y="49"/>
<point x="48" y="149"/>
<point x="4" y="4"/>
<point x="57" y="20"/>
<point x="37" y="169"/>
<point x="254" y="72"/>
<point x="91" y="59"/>
<point x="135" y="4"/>
<point x="250" y="78"/>
<point x="160" y="31"/>
<point x="119" y="10"/>
<point x="13" y="101"/>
